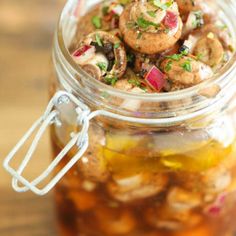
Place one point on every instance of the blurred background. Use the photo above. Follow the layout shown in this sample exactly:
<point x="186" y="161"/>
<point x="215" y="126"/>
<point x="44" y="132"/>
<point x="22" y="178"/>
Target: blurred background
<point x="26" y="33"/>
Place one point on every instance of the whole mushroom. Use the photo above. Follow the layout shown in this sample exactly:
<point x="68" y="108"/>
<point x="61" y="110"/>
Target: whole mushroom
<point x="151" y="28"/>
<point x="102" y="55"/>
<point x="185" y="71"/>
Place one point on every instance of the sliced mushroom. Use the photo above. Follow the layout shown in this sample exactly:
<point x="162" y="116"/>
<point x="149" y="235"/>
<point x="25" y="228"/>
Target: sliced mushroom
<point x="209" y="50"/>
<point x="186" y="71"/>
<point x="102" y="38"/>
<point x="220" y="32"/>
<point x="93" y="70"/>
<point x="148" y="36"/>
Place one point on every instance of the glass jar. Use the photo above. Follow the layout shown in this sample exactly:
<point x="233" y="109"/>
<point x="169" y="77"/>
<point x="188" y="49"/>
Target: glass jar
<point x="168" y="169"/>
<point x="155" y="165"/>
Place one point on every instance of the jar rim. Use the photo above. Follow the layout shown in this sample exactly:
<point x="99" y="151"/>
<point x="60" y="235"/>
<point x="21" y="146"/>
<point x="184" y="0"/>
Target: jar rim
<point x="223" y="78"/>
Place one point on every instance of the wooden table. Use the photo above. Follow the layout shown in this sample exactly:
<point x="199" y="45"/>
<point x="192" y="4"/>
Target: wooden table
<point x="26" y="31"/>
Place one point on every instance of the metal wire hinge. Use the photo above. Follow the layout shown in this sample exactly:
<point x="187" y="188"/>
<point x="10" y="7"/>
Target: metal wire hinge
<point x="50" y="116"/>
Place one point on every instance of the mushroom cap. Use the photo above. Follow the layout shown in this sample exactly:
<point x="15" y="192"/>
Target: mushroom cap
<point x="150" y="42"/>
<point x="178" y="75"/>
<point x="211" y="51"/>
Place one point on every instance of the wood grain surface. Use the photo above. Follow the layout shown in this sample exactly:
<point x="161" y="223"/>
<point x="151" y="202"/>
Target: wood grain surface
<point x="26" y="32"/>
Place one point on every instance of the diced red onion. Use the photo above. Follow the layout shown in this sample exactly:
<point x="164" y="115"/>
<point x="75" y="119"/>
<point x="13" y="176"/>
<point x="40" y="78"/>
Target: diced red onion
<point x="171" y="20"/>
<point x="83" y="54"/>
<point x="155" y="79"/>
<point x="216" y="207"/>
<point x="214" y="211"/>
<point x="117" y="9"/>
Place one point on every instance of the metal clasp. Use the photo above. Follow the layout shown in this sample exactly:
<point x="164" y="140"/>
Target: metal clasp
<point x="51" y="116"/>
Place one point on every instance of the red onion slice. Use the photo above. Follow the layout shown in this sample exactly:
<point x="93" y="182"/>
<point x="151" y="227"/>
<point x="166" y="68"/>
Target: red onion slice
<point x="155" y="79"/>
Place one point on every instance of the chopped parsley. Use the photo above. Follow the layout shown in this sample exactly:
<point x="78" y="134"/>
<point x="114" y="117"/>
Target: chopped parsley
<point x="175" y="57"/>
<point x="97" y="22"/>
<point x="144" y="24"/>
<point x="134" y="82"/>
<point x="187" y="66"/>
<point x="151" y="13"/>
<point x="105" y="10"/>
<point x="98" y="40"/>
<point x="117" y="45"/>
<point x="102" y="66"/>
<point x="168" y="66"/>
<point x="111" y="80"/>
<point x="163" y="6"/>
<point x="199" y="56"/>
<point x="184" y="50"/>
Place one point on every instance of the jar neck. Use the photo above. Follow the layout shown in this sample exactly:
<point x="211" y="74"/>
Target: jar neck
<point x="207" y="98"/>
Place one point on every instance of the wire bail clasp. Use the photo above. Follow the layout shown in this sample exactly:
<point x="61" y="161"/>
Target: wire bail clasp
<point x="50" y="116"/>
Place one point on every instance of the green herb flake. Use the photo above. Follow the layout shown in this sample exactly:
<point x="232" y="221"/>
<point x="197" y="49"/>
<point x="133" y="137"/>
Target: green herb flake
<point x="144" y="24"/>
<point x="199" y="56"/>
<point x="117" y="45"/>
<point x="97" y="22"/>
<point x="187" y="66"/>
<point x="134" y="82"/>
<point x="151" y="13"/>
<point x="105" y="10"/>
<point x="98" y="40"/>
<point x="163" y="6"/>
<point x="168" y="66"/>
<point x="111" y="80"/>
<point x="102" y="66"/>
<point x="175" y="57"/>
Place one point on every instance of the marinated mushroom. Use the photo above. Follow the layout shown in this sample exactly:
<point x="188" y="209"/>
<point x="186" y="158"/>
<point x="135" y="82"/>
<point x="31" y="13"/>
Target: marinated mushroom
<point x="185" y="71"/>
<point x="220" y="31"/>
<point x="149" y="28"/>
<point x="144" y="38"/>
<point x="209" y="50"/>
<point x="103" y="56"/>
<point x="137" y="187"/>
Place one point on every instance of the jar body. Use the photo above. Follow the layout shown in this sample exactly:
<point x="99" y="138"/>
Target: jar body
<point x="145" y="180"/>
<point x="149" y="180"/>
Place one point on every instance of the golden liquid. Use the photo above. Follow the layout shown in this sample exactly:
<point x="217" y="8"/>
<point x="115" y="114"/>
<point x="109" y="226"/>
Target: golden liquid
<point x="128" y="185"/>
